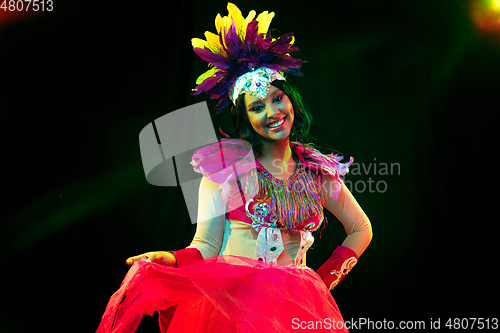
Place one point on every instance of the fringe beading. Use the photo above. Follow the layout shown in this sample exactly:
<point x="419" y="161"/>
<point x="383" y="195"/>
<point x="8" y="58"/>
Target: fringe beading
<point x="293" y="200"/>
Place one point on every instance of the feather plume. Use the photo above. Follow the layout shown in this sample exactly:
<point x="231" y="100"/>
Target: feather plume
<point x="240" y="45"/>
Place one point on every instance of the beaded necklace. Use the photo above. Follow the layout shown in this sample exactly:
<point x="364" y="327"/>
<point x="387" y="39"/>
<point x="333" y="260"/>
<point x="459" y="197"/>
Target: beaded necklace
<point x="294" y="200"/>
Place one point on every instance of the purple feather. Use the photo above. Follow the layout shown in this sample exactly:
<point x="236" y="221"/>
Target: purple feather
<point x="208" y="83"/>
<point x="212" y="58"/>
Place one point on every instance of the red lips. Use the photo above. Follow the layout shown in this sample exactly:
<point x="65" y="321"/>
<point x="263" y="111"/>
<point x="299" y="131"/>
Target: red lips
<point x="276" y="121"/>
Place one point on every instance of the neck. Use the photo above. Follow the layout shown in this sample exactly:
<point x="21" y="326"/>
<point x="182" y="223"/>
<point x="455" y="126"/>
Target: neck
<point x="276" y="151"/>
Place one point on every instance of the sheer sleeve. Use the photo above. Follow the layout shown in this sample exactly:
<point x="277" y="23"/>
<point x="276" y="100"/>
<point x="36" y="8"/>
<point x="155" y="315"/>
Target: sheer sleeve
<point x="349" y="213"/>
<point x="211" y="220"/>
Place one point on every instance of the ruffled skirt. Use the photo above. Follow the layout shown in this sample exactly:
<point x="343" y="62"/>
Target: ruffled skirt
<point x="223" y="294"/>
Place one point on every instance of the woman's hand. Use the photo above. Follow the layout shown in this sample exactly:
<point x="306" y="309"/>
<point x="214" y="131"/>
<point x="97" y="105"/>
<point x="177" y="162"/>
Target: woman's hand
<point x="158" y="257"/>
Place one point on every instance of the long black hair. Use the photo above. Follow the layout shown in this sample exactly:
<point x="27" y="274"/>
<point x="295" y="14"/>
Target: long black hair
<point x="301" y="124"/>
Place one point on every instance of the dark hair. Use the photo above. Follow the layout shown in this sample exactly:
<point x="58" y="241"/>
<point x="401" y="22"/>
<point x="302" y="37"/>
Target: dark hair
<point x="301" y="124"/>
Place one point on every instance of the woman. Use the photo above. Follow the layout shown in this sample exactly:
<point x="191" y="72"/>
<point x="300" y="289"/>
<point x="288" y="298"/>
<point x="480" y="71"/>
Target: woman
<point x="245" y="269"/>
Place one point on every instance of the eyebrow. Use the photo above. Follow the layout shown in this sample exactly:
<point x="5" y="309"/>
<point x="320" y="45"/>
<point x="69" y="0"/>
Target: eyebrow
<point x="252" y="104"/>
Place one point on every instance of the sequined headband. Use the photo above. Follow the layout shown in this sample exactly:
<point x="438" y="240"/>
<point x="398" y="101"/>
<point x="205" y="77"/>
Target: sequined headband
<point x="255" y="83"/>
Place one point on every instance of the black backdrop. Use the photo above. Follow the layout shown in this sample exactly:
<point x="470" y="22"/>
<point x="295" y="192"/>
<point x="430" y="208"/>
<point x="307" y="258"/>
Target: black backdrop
<point x="412" y="84"/>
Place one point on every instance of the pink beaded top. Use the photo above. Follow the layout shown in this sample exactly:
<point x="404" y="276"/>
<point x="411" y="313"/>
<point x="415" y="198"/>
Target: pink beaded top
<point x="295" y="203"/>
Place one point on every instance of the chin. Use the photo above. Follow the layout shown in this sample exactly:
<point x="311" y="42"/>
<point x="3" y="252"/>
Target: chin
<point x="283" y="135"/>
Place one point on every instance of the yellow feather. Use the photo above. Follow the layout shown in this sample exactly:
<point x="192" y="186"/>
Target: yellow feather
<point x="264" y="19"/>
<point x="213" y="43"/>
<point x="262" y="16"/>
<point x="249" y="18"/>
<point x="197" y="42"/>
<point x="239" y="21"/>
<point x="218" y="23"/>
<point x="211" y="72"/>
<point x="223" y="24"/>
<point x="227" y="23"/>
<point x="235" y="13"/>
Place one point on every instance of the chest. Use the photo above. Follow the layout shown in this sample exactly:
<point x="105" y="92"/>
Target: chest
<point x="294" y="203"/>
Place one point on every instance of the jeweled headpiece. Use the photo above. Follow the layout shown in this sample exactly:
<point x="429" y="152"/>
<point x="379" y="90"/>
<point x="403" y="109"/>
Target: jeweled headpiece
<point x="243" y="56"/>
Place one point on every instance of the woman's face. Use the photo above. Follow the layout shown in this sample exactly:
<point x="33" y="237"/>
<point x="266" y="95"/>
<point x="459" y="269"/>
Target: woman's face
<point x="271" y="117"/>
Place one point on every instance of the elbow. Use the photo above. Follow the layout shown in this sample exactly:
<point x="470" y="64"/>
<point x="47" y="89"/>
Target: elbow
<point x="360" y="239"/>
<point x="369" y="232"/>
<point x="366" y="234"/>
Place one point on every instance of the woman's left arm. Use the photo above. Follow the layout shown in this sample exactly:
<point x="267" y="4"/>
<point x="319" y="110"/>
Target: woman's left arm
<point x="357" y="226"/>
<point x="349" y="213"/>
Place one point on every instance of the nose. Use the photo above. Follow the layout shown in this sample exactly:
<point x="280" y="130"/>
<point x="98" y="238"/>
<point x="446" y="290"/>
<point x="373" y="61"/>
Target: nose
<point x="272" y="110"/>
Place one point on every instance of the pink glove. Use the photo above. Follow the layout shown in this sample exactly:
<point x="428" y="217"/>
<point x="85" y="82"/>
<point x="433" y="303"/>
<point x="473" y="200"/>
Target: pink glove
<point x="186" y="256"/>
<point x="336" y="268"/>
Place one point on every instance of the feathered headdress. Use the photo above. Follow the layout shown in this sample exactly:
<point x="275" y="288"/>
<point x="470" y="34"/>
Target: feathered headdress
<point x="243" y="52"/>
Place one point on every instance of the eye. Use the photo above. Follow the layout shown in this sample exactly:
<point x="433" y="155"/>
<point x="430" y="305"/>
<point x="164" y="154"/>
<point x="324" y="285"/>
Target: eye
<point x="257" y="108"/>
<point x="278" y="99"/>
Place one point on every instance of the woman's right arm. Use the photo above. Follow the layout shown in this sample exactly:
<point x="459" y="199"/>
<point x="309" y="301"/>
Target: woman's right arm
<point x="211" y="220"/>
<point x="208" y="238"/>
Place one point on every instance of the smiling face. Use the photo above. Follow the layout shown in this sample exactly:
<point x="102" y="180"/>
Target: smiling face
<point x="272" y="117"/>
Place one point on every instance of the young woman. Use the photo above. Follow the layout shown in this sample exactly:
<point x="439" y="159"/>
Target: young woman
<point x="245" y="270"/>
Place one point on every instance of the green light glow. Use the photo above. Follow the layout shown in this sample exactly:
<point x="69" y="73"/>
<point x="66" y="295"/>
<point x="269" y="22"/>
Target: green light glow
<point x="88" y="197"/>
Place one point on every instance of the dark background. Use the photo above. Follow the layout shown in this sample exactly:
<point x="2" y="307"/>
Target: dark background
<point x="406" y="82"/>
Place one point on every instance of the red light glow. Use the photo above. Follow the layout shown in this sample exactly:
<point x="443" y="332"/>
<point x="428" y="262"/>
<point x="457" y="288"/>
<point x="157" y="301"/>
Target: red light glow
<point x="486" y="15"/>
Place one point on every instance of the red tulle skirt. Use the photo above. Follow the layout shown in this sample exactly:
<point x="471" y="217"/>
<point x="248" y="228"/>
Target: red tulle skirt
<point x="223" y="294"/>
